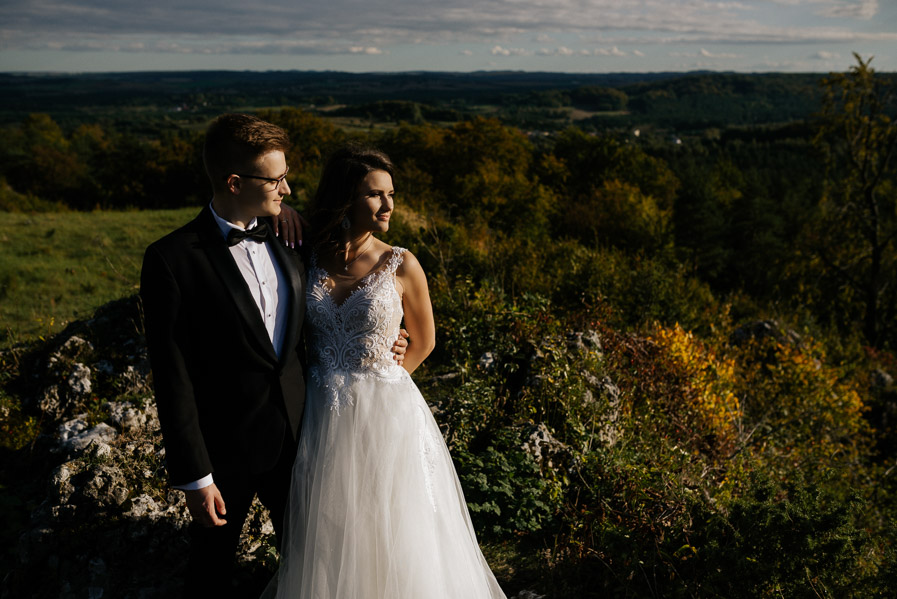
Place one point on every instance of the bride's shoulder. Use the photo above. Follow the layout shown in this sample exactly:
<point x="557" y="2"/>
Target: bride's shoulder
<point x="408" y="265"/>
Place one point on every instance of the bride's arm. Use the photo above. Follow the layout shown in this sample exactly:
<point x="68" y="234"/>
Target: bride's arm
<point x="418" y="312"/>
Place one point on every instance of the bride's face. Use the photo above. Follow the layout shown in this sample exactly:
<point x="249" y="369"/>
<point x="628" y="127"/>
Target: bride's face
<point x="374" y="202"/>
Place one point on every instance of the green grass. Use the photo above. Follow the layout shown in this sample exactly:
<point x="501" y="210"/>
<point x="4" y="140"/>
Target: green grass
<point x="59" y="267"/>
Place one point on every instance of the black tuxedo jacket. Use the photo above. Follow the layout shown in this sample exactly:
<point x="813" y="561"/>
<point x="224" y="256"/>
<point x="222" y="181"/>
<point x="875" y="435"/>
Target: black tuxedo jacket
<point x="226" y="403"/>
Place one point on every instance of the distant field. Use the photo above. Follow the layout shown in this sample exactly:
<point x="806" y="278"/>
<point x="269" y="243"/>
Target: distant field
<point x="59" y="267"/>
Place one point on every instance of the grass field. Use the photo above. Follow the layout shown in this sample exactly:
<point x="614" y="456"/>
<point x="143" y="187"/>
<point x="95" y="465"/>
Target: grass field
<point x="59" y="267"/>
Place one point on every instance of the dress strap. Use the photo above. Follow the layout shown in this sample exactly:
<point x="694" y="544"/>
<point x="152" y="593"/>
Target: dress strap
<point x="398" y="255"/>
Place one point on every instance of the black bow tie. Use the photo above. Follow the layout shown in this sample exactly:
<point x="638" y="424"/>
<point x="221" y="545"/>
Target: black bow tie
<point x="257" y="233"/>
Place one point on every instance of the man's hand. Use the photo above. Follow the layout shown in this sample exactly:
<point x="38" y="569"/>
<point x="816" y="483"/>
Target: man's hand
<point x="399" y="347"/>
<point x="205" y="505"/>
<point x="288" y="225"/>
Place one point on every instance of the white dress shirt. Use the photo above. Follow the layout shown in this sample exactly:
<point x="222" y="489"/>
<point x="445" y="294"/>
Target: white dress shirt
<point x="269" y="289"/>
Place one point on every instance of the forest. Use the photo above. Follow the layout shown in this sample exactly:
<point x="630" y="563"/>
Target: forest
<point x="681" y="290"/>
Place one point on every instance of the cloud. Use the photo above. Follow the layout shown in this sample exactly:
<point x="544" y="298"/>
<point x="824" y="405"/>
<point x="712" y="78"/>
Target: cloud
<point x="499" y="51"/>
<point x="708" y="54"/>
<point x="559" y="51"/>
<point x="638" y="53"/>
<point x="338" y="26"/>
<point x="365" y="50"/>
<point x="565" y="51"/>
<point x="186" y="46"/>
<point x="609" y="52"/>
<point x="825" y="55"/>
<point x="702" y="54"/>
<point x="862" y="9"/>
<point x="466" y="53"/>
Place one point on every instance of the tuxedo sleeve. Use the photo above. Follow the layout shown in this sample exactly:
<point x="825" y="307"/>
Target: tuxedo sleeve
<point x="187" y="458"/>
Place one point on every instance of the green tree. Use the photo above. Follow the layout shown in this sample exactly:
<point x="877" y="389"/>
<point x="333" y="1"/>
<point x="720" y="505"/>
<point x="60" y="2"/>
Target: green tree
<point x="484" y="170"/>
<point x="610" y="189"/>
<point x="859" y="208"/>
<point x="701" y="217"/>
<point x="417" y="152"/>
<point x="599" y="98"/>
<point x="618" y="214"/>
<point x="42" y="162"/>
<point x="312" y="140"/>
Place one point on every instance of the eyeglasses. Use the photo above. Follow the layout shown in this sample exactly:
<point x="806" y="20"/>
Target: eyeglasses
<point x="269" y="183"/>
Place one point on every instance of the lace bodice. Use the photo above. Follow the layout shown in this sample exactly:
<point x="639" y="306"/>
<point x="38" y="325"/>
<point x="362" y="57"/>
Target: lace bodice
<point x="354" y="338"/>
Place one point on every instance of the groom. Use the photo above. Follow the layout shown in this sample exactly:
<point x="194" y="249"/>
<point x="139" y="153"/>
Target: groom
<point x="224" y="304"/>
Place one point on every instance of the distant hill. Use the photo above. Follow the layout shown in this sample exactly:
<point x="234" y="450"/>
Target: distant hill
<point x="49" y="92"/>
<point x="677" y="100"/>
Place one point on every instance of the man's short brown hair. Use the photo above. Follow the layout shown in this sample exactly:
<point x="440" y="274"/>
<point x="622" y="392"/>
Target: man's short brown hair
<point x="235" y="141"/>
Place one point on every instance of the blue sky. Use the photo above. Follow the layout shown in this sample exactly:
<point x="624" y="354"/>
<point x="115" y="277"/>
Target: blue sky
<point x="596" y="36"/>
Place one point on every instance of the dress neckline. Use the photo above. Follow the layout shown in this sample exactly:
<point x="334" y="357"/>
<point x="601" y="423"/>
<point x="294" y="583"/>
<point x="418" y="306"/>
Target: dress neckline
<point x="359" y="284"/>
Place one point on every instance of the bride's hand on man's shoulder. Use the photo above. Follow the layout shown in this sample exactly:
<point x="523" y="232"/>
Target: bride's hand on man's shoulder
<point x="289" y="226"/>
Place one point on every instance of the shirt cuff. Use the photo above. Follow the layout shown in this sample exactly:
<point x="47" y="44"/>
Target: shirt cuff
<point x="205" y="481"/>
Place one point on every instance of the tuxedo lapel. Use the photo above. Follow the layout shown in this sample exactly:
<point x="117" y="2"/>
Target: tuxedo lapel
<point x="218" y="253"/>
<point x="294" y="273"/>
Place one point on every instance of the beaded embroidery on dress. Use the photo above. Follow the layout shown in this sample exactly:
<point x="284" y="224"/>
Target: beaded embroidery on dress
<point x="352" y="339"/>
<point x="376" y="510"/>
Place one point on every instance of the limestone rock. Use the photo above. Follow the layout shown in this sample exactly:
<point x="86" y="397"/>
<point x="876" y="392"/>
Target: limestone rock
<point x="134" y="378"/>
<point x="881" y="379"/>
<point x="48" y="401"/>
<point x="258" y="535"/>
<point x="79" y="380"/>
<point x="592" y="340"/>
<point x="487" y="361"/>
<point x="587" y="340"/>
<point x="609" y="431"/>
<point x="61" y="487"/>
<point x="542" y="445"/>
<point x="76" y="435"/>
<point x="72" y="428"/>
<point x="75" y="346"/>
<point x="143" y="506"/>
<point x="105" y="486"/>
<point x="128" y="417"/>
<point x="762" y="329"/>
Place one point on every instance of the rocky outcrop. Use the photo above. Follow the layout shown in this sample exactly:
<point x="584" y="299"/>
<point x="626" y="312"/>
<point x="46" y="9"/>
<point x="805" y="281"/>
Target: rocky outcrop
<point x="762" y="329"/>
<point x="106" y="524"/>
<point x="546" y="450"/>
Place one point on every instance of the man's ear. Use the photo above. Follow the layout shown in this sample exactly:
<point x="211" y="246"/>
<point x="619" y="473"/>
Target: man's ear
<point x="233" y="184"/>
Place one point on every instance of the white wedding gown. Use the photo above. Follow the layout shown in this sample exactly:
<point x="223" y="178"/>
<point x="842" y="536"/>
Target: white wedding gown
<point x="376" y="509"/>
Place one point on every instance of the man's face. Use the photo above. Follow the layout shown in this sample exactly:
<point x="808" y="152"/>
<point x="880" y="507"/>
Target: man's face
<point x="263" y="186"/>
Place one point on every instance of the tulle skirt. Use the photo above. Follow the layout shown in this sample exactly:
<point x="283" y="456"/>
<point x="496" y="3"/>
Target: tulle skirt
<point x="376" y="509"/>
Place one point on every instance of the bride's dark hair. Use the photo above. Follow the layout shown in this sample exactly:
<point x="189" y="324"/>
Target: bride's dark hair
<point x="345" y="170"/>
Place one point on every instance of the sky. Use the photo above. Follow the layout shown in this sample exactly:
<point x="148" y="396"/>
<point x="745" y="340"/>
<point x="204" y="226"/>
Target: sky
<point x="595" y="36"/>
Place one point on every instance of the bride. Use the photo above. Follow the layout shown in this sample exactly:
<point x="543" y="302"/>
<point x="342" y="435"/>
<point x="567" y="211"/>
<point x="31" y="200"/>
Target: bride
<point x="376" y="509"/>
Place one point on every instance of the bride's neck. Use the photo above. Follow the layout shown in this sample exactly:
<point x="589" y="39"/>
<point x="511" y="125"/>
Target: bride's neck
<point x="355" y="247"/>
<point x="356" y="243"/>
